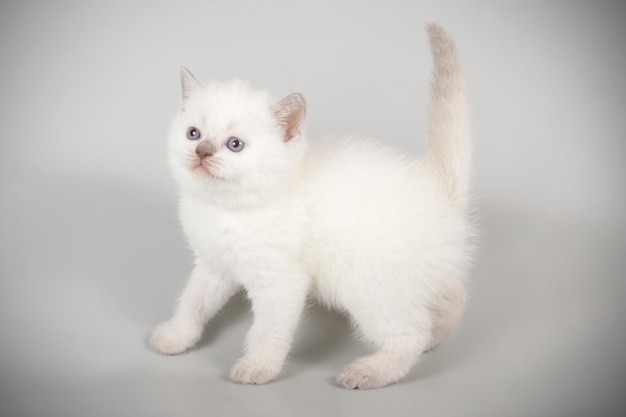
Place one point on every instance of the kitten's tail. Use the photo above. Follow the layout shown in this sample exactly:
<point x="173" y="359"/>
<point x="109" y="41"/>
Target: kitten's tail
<point x="449" y="138"/>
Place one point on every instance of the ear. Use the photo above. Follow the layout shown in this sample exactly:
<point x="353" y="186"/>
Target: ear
<point x="188" y="83"/>
<point x="290" y="113"/>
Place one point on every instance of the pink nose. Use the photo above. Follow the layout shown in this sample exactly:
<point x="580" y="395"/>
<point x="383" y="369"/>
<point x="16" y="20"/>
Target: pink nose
<point x="204" y="149"/>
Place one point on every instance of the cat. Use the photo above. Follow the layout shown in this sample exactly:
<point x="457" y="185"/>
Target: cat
<point x="383" y="236"/>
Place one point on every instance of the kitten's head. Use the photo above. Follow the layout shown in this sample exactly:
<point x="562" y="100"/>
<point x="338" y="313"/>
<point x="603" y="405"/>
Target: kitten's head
<point x="234" y="143"/>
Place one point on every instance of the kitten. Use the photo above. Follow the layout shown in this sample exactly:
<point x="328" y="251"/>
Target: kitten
<point x="379" y="235"/>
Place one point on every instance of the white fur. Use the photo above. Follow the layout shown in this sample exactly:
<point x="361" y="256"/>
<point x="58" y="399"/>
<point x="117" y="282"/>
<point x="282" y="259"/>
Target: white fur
<point x="351" y="222"/>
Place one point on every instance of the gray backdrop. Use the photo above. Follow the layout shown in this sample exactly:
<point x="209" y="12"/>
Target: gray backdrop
<point x="92" y="257"/>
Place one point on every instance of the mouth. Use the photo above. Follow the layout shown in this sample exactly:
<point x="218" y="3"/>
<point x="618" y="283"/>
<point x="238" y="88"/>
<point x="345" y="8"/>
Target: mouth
<point x="200" y="169"/>
<point x="207" y="169"/>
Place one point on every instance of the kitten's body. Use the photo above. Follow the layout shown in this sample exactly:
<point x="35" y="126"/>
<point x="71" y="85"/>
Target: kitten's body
<point x="362" y="228"/>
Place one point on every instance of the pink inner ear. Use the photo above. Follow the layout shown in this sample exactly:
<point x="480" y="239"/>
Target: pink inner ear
<point x="291" y="125"/>
<point x="290" y="113"/>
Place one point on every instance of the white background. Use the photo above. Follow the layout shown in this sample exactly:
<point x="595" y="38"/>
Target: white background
<point x="91" y="256"/>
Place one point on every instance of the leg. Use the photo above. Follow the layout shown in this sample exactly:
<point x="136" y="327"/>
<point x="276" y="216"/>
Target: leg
<point x="400" y="334"/>
<point x="204" y="295"/>
<point x="447" y="312"/>
<point x="277" y="308"/>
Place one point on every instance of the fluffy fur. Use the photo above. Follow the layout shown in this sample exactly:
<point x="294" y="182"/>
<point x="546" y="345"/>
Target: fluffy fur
<point x="380" y="235"/>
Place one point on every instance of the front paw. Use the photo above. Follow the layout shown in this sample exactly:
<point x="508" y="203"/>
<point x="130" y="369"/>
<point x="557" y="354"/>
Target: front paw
<point x="246" y="372"/>
<point x="172" y="339"/>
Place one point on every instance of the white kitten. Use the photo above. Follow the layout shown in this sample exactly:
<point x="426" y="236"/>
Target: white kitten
<point x="382" y="236"/>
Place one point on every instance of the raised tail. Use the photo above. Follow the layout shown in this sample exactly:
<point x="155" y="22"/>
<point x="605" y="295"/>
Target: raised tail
<point x="449" y="138"/>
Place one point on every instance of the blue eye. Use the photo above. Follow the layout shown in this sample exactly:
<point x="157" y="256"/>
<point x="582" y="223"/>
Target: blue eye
<point x="235" y="144"/>
<point x="193" y="133"/>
